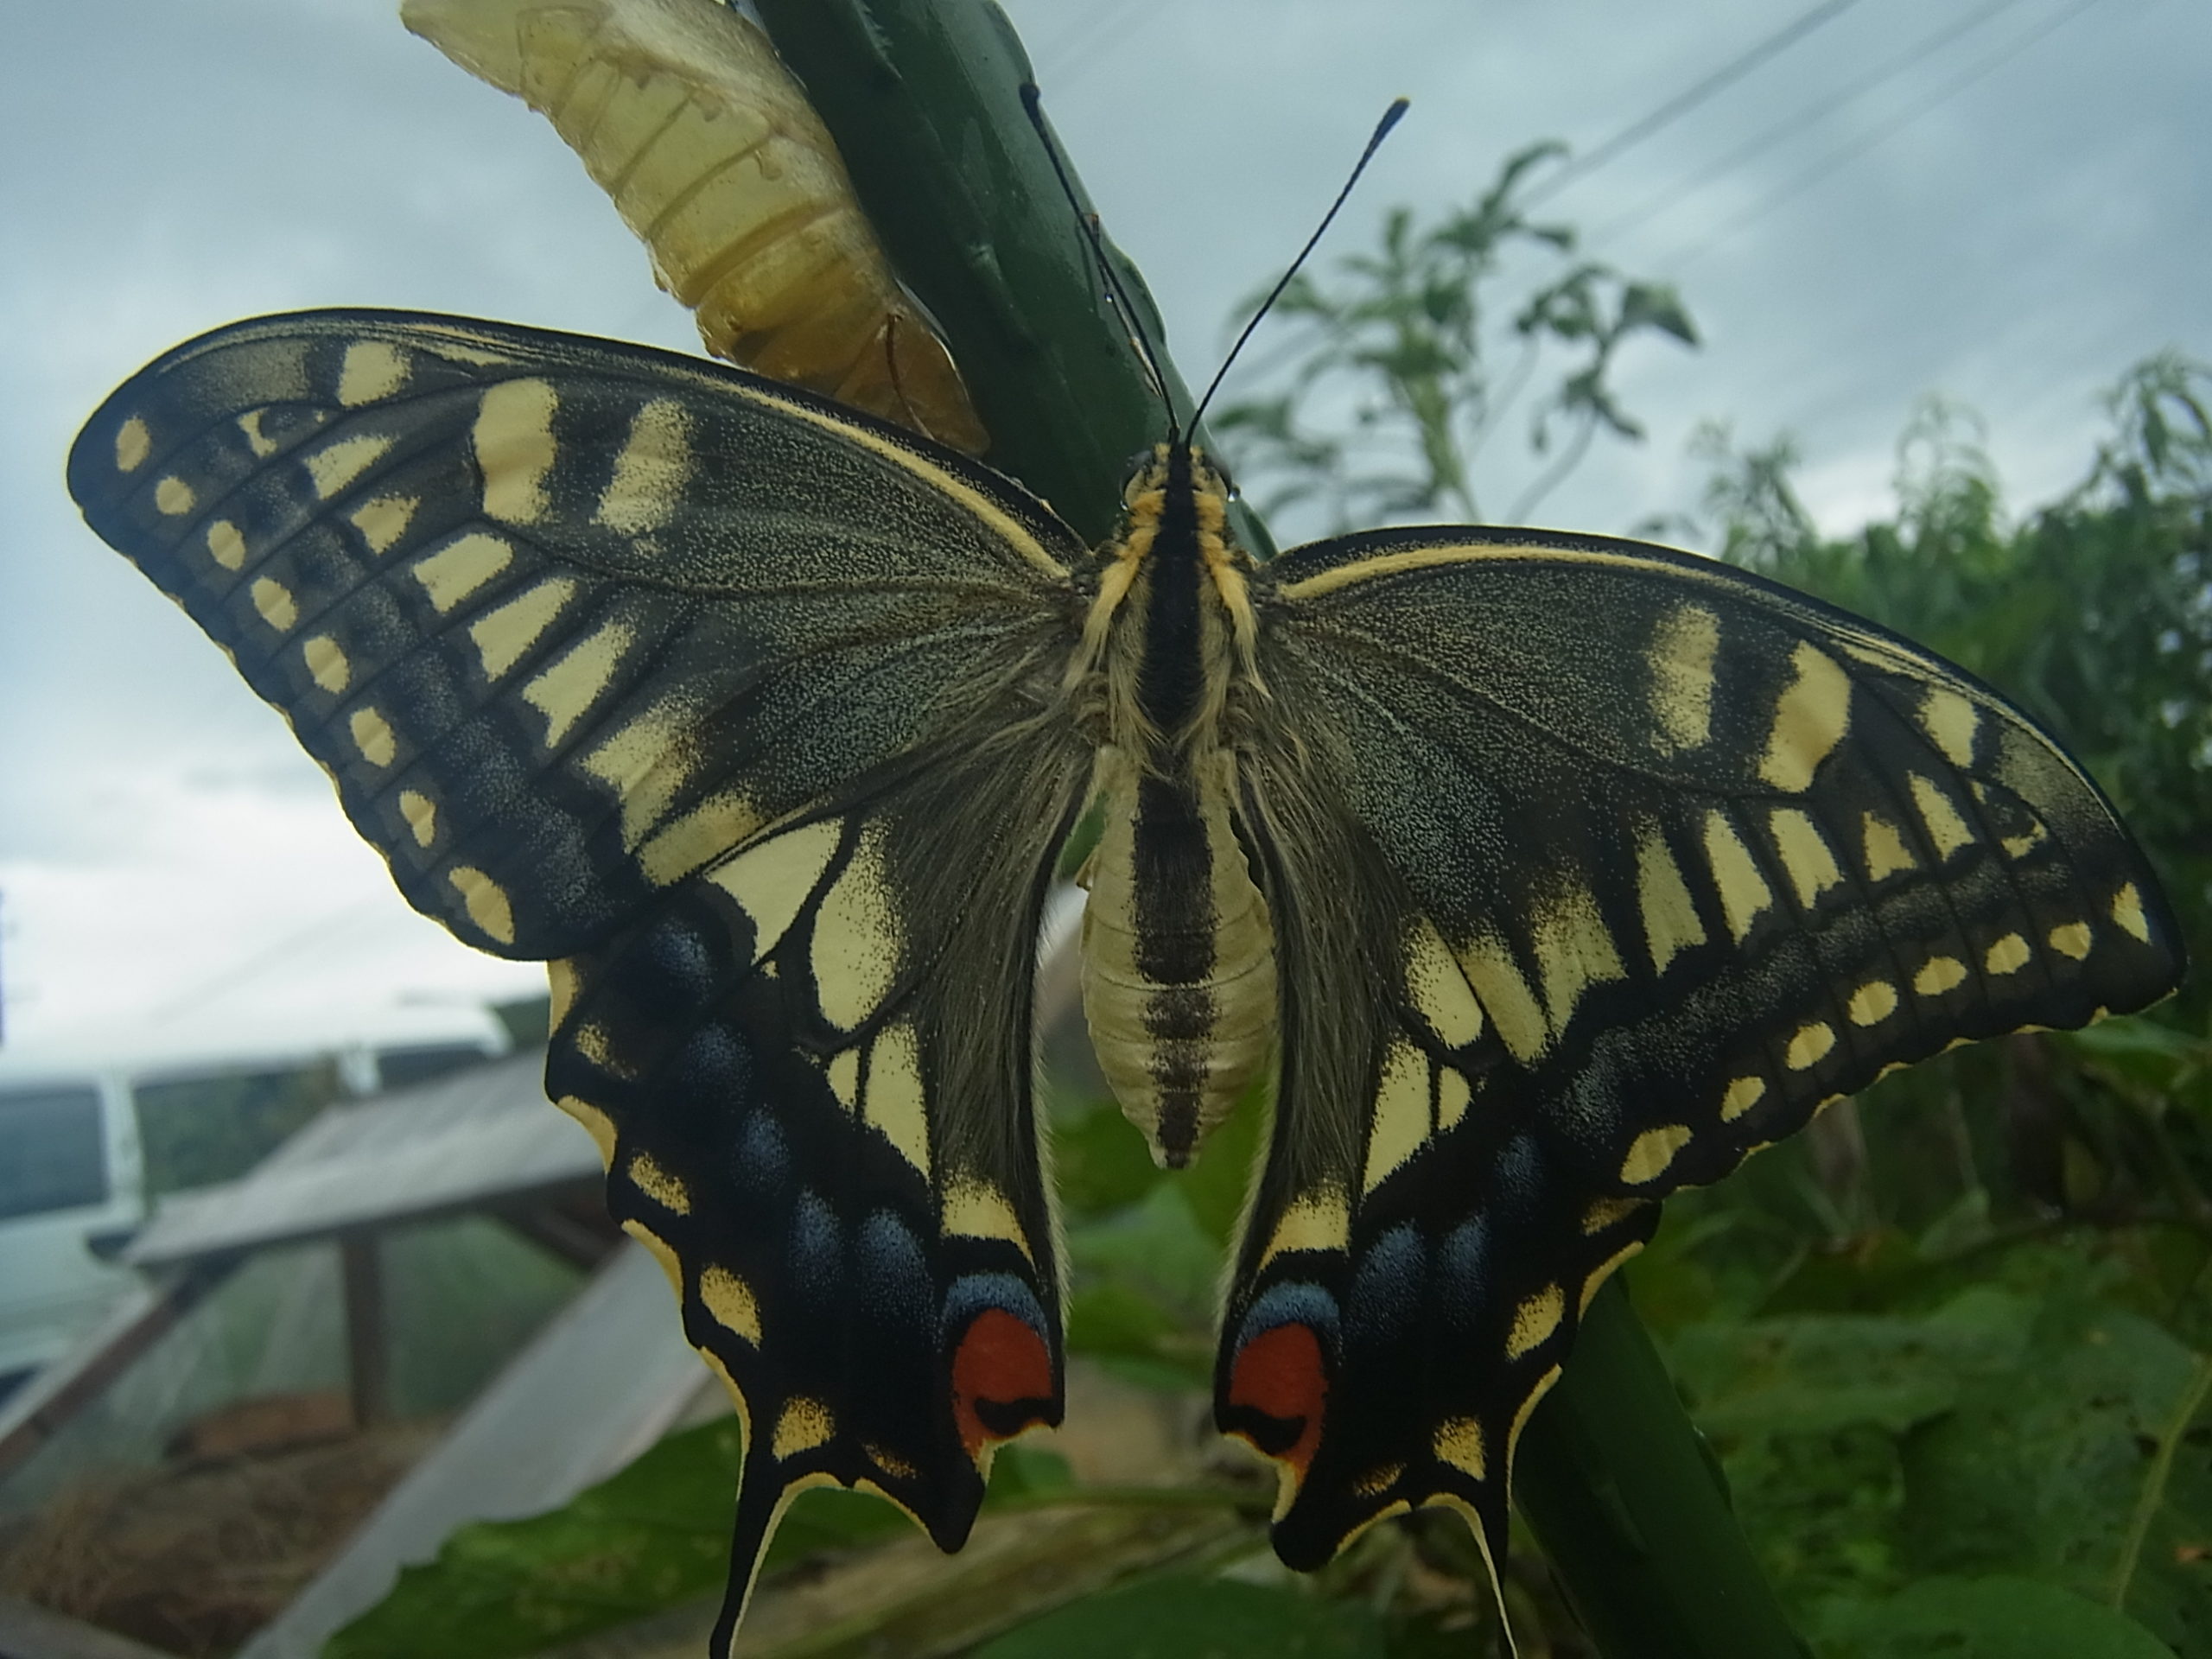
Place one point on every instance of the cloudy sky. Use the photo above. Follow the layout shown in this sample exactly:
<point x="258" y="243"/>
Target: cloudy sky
<point x="2002" y="201"/>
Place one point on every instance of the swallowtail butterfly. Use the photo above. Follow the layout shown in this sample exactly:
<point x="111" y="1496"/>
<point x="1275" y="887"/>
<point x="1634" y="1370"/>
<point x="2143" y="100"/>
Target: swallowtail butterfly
<point x="1544" y="874"/>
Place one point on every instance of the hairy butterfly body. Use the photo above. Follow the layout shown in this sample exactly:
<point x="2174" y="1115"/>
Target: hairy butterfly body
<point x="1543" y="875"/>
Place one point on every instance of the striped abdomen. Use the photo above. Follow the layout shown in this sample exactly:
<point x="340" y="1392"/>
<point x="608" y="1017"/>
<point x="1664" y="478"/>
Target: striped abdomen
<point x="1178" y="971"/>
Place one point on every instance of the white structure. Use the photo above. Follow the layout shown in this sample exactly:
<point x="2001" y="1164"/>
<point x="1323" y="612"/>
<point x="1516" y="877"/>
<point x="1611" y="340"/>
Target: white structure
<point x="72" y="1191"/>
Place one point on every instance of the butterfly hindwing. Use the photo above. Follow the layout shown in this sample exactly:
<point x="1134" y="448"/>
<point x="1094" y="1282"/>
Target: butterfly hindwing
<point x="1654" y="859"/>
<point x="564" y="618"/>
<point x="808" y="1067"/>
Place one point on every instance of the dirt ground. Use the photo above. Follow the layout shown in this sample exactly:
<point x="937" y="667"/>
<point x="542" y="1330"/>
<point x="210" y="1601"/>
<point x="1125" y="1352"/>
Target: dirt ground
<point x="193" y="1558"/>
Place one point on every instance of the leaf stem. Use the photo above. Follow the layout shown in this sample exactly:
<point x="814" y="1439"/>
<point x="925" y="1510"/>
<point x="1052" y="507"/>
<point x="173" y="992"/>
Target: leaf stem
<point x="2154" y="1482"/>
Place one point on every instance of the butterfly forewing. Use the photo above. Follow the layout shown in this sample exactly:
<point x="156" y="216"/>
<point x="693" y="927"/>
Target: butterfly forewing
<point x="1653" y="860"/>
<point x="738" y="703"/>
<point x="562" y="618"/>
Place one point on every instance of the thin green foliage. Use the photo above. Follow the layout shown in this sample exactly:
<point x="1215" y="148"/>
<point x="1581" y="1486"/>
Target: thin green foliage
<point x="2157" y="1481"/>
<point x="1393" y="387"/>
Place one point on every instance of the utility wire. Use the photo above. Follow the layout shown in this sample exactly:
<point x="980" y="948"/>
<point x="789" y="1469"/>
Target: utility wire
<point x="316" y="938"/>
<point x="1065" y="58"/>
<point x="1683" y="102"/>
<point x="1765" y="142"/>
<point x="1851" y="152"/>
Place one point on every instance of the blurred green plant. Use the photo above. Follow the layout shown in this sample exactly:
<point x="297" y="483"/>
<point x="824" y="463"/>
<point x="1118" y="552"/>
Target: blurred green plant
<point x="1952" y="1343"/>
<point x="1393" y="390"/>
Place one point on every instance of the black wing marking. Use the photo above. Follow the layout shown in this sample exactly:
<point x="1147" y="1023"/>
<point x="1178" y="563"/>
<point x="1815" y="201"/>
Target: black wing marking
<point x="1653" y="860"/>
<point x="564" y="619"/>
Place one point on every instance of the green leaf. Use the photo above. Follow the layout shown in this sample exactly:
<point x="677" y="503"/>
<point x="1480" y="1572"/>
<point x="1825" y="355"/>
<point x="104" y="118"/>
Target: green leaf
<point x="1156" y="1247"/>
<point x="649" y="1536"/>
<point x="1807" y="1414"/>
<point x="1214" y="1184"/>
<point x="655" y="1535"/>
<point x="1815" y="1374"/>
<point x="1657" y="305"/>
<point x="1100" y="1162"/>
<point x="1195" y="1618"/>
<point x="1118" y="1318"/>
<point x="1022" y="1471"/>
<point x="2045" y="1469"/>
<point x="2046" y="1435"/>
<point x="1992" y="1617"/>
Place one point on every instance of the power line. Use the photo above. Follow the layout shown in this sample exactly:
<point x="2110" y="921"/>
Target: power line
<point x="1851" y="152"/>
<point x="1683" y="102"/>
<point x="1802" y="118"/>
<point x="316" y="937"/>
<point x="1061" y="61"/>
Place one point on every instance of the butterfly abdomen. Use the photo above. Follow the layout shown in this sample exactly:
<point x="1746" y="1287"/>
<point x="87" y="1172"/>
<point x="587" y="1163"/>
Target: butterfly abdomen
<point x="1179" y="953"/>
<point x="1179" y="969"/>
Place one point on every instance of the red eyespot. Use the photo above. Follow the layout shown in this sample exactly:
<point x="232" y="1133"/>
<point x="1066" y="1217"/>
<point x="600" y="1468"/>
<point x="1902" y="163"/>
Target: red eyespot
<point x="1001" y="1379"/>
<point x="1279" y="1376"/>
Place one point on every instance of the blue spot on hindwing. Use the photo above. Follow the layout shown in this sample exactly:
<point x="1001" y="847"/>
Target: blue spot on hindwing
<point x="1518" y="1178"/>
<point x="1291" y="1302"/>
<point x="972" y="1292"/>
<point x="671" y="967"/>
<point x="1386" y="1288"/>
<point x="817" y="1251"/>
<point x="762" y="1166"/>
<point x="895" y="1288"/>
<point x="712" y="1075"/>
<point x="1463" y="1272"/>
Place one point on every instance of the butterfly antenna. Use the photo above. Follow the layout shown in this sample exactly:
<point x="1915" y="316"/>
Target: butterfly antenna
<point x="1391" y="117"/>
<point x="1033" y="105"/>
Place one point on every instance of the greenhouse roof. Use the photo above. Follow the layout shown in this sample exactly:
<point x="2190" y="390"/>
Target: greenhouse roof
<point x="475" y="1138"/>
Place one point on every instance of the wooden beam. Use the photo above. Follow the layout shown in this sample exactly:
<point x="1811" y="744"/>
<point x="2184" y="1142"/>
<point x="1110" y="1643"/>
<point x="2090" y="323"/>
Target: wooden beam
<point x="49" y="1401"/>
<point x="367" y="1342"/>
<point x="582" y="1240"/>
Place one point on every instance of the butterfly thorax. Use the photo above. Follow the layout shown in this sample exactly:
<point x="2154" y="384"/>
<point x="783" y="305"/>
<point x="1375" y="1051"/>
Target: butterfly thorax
<point x="1178" y="955"/>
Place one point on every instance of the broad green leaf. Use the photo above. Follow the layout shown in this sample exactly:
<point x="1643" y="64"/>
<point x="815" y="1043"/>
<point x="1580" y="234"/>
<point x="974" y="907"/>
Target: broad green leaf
<point x="1816" y="1374"/>
<point x="1100" y="1162"/>
<point x="1156" y="1246"/>
<point x="655" y="1535"/>
<point x="1993" y="1618"/>
<point x="1882" y="1269"/>
<point x="1115" y="1321"/>
<point x="2044" y="1470"/>
<point x="1021" y="1471"/>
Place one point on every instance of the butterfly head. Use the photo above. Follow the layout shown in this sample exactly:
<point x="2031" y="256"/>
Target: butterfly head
<point x="1176" y="467"/>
